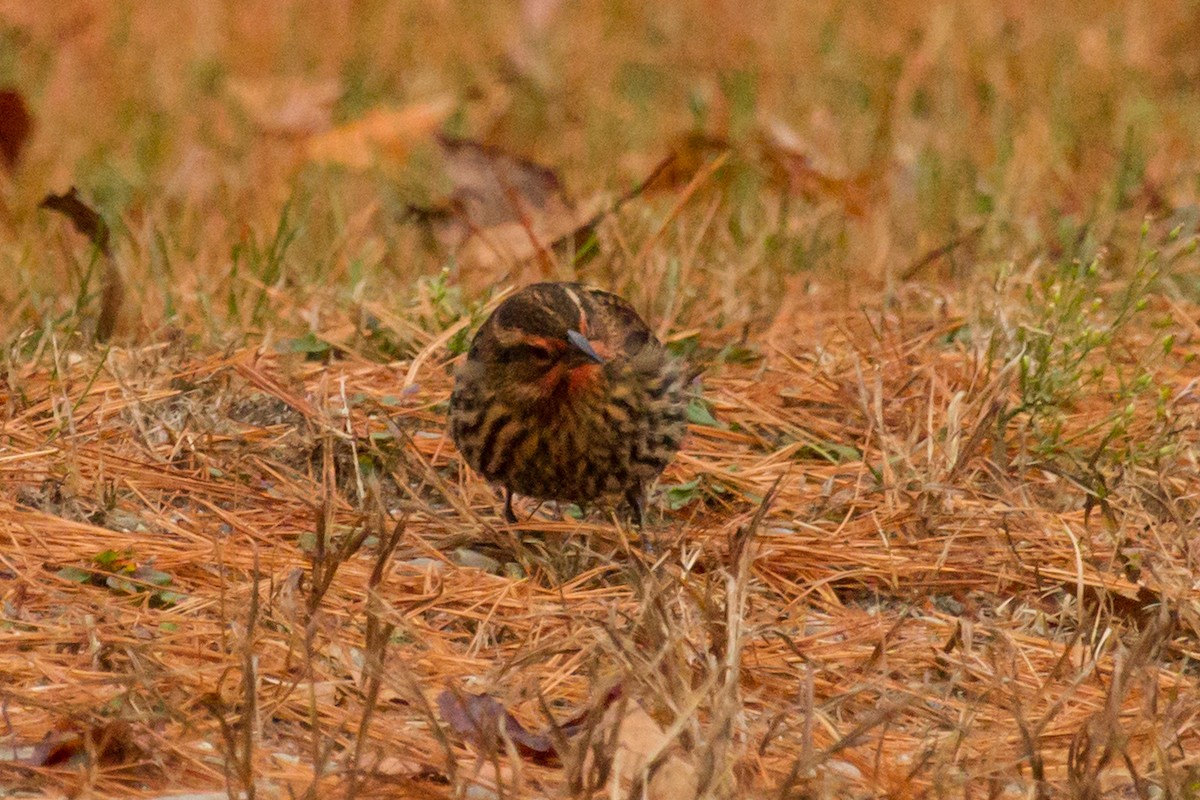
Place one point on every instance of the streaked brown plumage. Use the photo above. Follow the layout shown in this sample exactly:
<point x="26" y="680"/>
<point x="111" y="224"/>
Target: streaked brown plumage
<point x="566" y="395"/>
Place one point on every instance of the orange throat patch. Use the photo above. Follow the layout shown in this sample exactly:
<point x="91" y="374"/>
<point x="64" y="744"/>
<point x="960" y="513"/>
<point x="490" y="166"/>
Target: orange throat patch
<point x="583" y="379"/>
<point x="566" y="384"/>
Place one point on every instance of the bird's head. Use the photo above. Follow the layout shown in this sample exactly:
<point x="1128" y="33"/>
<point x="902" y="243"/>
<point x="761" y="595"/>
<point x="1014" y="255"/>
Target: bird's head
<point x="542" y="344"/>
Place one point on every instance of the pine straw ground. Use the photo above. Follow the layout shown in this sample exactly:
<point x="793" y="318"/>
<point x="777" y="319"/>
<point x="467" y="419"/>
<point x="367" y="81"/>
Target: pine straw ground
<point x="937" y="615"/>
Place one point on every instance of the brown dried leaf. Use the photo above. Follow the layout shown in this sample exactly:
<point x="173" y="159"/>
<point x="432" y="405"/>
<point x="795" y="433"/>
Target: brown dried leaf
<point x="489" y="249"/>
<point x="795" y="169"/>
<point x="504" y="210"/>
<point x="686" y="155"/>
<point x="492" y="187"/>
<point x="16" y="123"/>
<point x="287" y="108"/>
<point x="380" y="134"/>
<point x="643" y="750"/>
<point x="110" y="743"/>
<point x="478" y="719"/>
<point x="92" y="225"/>
<point x="82" y="216"/>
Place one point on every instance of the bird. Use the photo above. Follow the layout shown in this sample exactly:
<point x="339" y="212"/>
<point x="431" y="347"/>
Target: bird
<point x="565" y="394"/>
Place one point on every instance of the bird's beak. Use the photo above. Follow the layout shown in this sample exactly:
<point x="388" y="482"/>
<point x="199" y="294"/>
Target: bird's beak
<point x="580" y="343"/>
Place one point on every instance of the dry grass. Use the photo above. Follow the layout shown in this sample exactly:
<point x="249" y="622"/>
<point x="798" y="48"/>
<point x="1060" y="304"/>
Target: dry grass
<point x="972" y="601"/>
<point x="937" y="537"/>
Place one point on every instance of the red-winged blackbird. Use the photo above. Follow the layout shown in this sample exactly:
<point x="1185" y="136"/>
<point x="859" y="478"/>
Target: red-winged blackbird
<point x="566" y="395"/>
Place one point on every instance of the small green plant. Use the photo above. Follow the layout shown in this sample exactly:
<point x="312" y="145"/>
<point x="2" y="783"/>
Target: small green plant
<point x="1071" y="348"/>
<point x="262" y="262"/>
<point x="441" y="305"/>
<point x="700" y="413"/>
<point x="683" y="494"/>
<point x="122" y="574"/>
<point x="313" y="347"/>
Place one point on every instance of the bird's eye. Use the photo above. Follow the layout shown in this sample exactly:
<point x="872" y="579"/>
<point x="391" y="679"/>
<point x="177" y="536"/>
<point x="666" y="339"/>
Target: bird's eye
<point x="524" y="352"/>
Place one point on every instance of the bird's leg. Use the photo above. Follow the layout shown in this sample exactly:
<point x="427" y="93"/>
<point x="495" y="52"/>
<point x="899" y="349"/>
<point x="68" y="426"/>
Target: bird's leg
<point x="636" y="498"/>
<point x="509" y="516"/>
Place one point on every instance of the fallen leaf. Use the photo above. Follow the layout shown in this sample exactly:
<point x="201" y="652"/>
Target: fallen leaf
<point x="287" y="108"/>
<point x="643" y="755"/>
<point x="542" y="237"/>
<point x="492" y="187"/>
<point x="380" y="134"/>
<point x="82" y="216"/>
<point x="503" y="211"/>
<point x="478" y="719"/>
<point x="109" y="743"/>
<point x="58" y="747"/>
<point x="795" y="169"/>
<point x="16" y="123"/>
<point x="686" y="155"/>
<point x="92" y="225"/>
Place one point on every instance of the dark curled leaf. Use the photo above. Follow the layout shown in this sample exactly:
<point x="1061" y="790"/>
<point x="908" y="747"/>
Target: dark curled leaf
<point x="15" y="125"/>
<point x="110" y="743"/>
<point x="477" y="718"/>
<point x="93" y="226"/>
<point x="58" y="747"/>
<point x="85" y="219"/>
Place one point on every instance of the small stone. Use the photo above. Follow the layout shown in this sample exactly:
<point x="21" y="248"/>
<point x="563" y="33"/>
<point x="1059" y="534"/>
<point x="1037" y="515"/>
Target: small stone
<point x="465" y="557"/>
